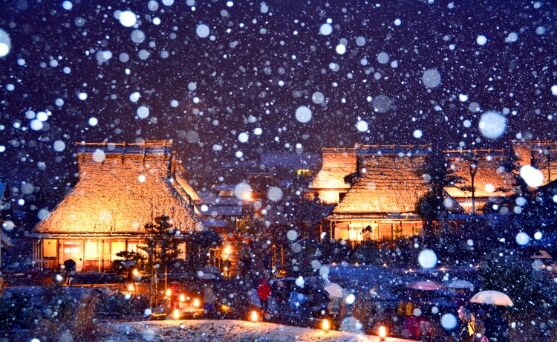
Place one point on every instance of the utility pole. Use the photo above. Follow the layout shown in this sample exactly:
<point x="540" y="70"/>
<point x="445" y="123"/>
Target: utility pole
<point x="473" y="171"/>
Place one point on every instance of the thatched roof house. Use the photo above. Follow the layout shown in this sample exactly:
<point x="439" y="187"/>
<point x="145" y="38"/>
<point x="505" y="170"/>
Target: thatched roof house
<point x="485" y="168"/>
<point x="381" y="204"/>
<point x="329" y="183"/>
<point x="121" y="188"/>
<point x="540" y="154"/>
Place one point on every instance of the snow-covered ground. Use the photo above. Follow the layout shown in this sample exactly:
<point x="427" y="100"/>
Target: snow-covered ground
<point x="221" y="330"/>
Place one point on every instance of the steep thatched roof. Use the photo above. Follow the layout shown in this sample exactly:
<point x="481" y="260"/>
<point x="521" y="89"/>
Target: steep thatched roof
<point x="337" y="163"/>
<point x="120" y="189"/>
<point x="490" y="180"/>
<point x="387" y="184"/>
<point x="183" y="185"/>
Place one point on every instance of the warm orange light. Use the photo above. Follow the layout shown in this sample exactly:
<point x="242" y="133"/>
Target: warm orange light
<point x="182" y="298"/>
<point x="382" y="333"/>
<point x="254" y="316"/>
<point x="326" y="325"/>
<point x="226" y="251"/>
<point x="196" y="303"/>
<point x="176" y="314"/>
<point x="168" y="292"/>
<point x="131" y="287"/>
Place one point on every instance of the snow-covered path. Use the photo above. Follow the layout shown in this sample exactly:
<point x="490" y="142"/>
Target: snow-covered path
<point x="221" y="330"/>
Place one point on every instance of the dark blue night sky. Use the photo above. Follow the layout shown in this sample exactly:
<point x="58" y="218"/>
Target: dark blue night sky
<point x="408" y="72"/>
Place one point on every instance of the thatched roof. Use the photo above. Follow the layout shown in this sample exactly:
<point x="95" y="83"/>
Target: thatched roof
<point x="543" y="156"/>
<point x="183" y="185"/>
<point x="120" y="190"/>
<point x="490" y="180"/>
<point x="387" y="184"/>
<point x="337" y="163"/>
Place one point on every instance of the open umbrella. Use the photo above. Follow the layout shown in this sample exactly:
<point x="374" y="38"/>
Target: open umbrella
<point x="425" y="285"/>
<point x="334" y="290"/>
<point x="461" y="284"/>
<point x="492" y="297"/>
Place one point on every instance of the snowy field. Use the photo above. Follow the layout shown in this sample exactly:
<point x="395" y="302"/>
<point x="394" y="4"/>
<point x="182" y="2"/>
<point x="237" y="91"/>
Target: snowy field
<point x="221" y="330"/>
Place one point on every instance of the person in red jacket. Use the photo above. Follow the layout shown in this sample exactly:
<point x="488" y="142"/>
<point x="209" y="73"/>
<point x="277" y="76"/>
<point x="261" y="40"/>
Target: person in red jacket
<point x="264" y="292"/>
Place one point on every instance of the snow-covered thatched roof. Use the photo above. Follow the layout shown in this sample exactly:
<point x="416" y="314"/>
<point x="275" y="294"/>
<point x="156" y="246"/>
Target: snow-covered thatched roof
<point x="121" y="188"/>
<point x="490" y="180"/>
<point x="183" y="185"/>
<point x="337" y="163"/>
<point x="388" y="183"/>
<point x="540" y="154"/>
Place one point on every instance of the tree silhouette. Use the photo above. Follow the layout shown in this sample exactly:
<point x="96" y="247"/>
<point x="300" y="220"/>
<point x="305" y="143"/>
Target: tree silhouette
<point x="431" y="206"/>
<point x="162" y="244"/>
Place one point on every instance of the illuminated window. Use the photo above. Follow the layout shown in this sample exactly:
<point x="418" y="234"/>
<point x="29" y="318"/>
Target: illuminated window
<point x="133" y="247"/>
<point x="91" y="250"/>
<point x="50" y="248"/>
<point x="115" y="248"/>
<point x="303" y="172"/>
<point x="71" y="247"/>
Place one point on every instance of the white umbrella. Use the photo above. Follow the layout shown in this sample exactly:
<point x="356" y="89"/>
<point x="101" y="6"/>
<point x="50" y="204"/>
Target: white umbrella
<point x="461" y="284"/>
<point x="334" y="289"/>
<point x="492" y="297"/>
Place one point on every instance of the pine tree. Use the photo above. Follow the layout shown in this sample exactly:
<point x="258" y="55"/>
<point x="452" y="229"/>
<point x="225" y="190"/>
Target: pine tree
<point x="431" y="206"/>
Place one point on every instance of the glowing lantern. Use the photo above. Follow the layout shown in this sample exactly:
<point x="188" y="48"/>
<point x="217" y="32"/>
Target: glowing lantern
<point x="196" y="303"/>
<point x="382" y="333"/>
<point x="182" y="298"/>
<point x="254" y="316"/>
<point x="176" y="314"/>
<point x="326" y="325"/>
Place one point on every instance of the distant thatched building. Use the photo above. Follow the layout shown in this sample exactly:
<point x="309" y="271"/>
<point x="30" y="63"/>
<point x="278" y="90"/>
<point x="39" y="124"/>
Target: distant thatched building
<point x="121" y="188"/>
<point x="485" y="178"/>
<point x="381" y="204"/>
<point x="376" y="188"/>
<point x="329" y="184"/>
<point x="540" y="154"/>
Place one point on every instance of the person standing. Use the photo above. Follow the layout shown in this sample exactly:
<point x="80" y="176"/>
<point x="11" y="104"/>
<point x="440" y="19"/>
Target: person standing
<point x="264" y="292"/>
<point x="469" y="321"/>
<point x="267" y="264"/>
<point x="496" y="326"/>
<point x="209" y="297"/>
<point x="245" y="261"/>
